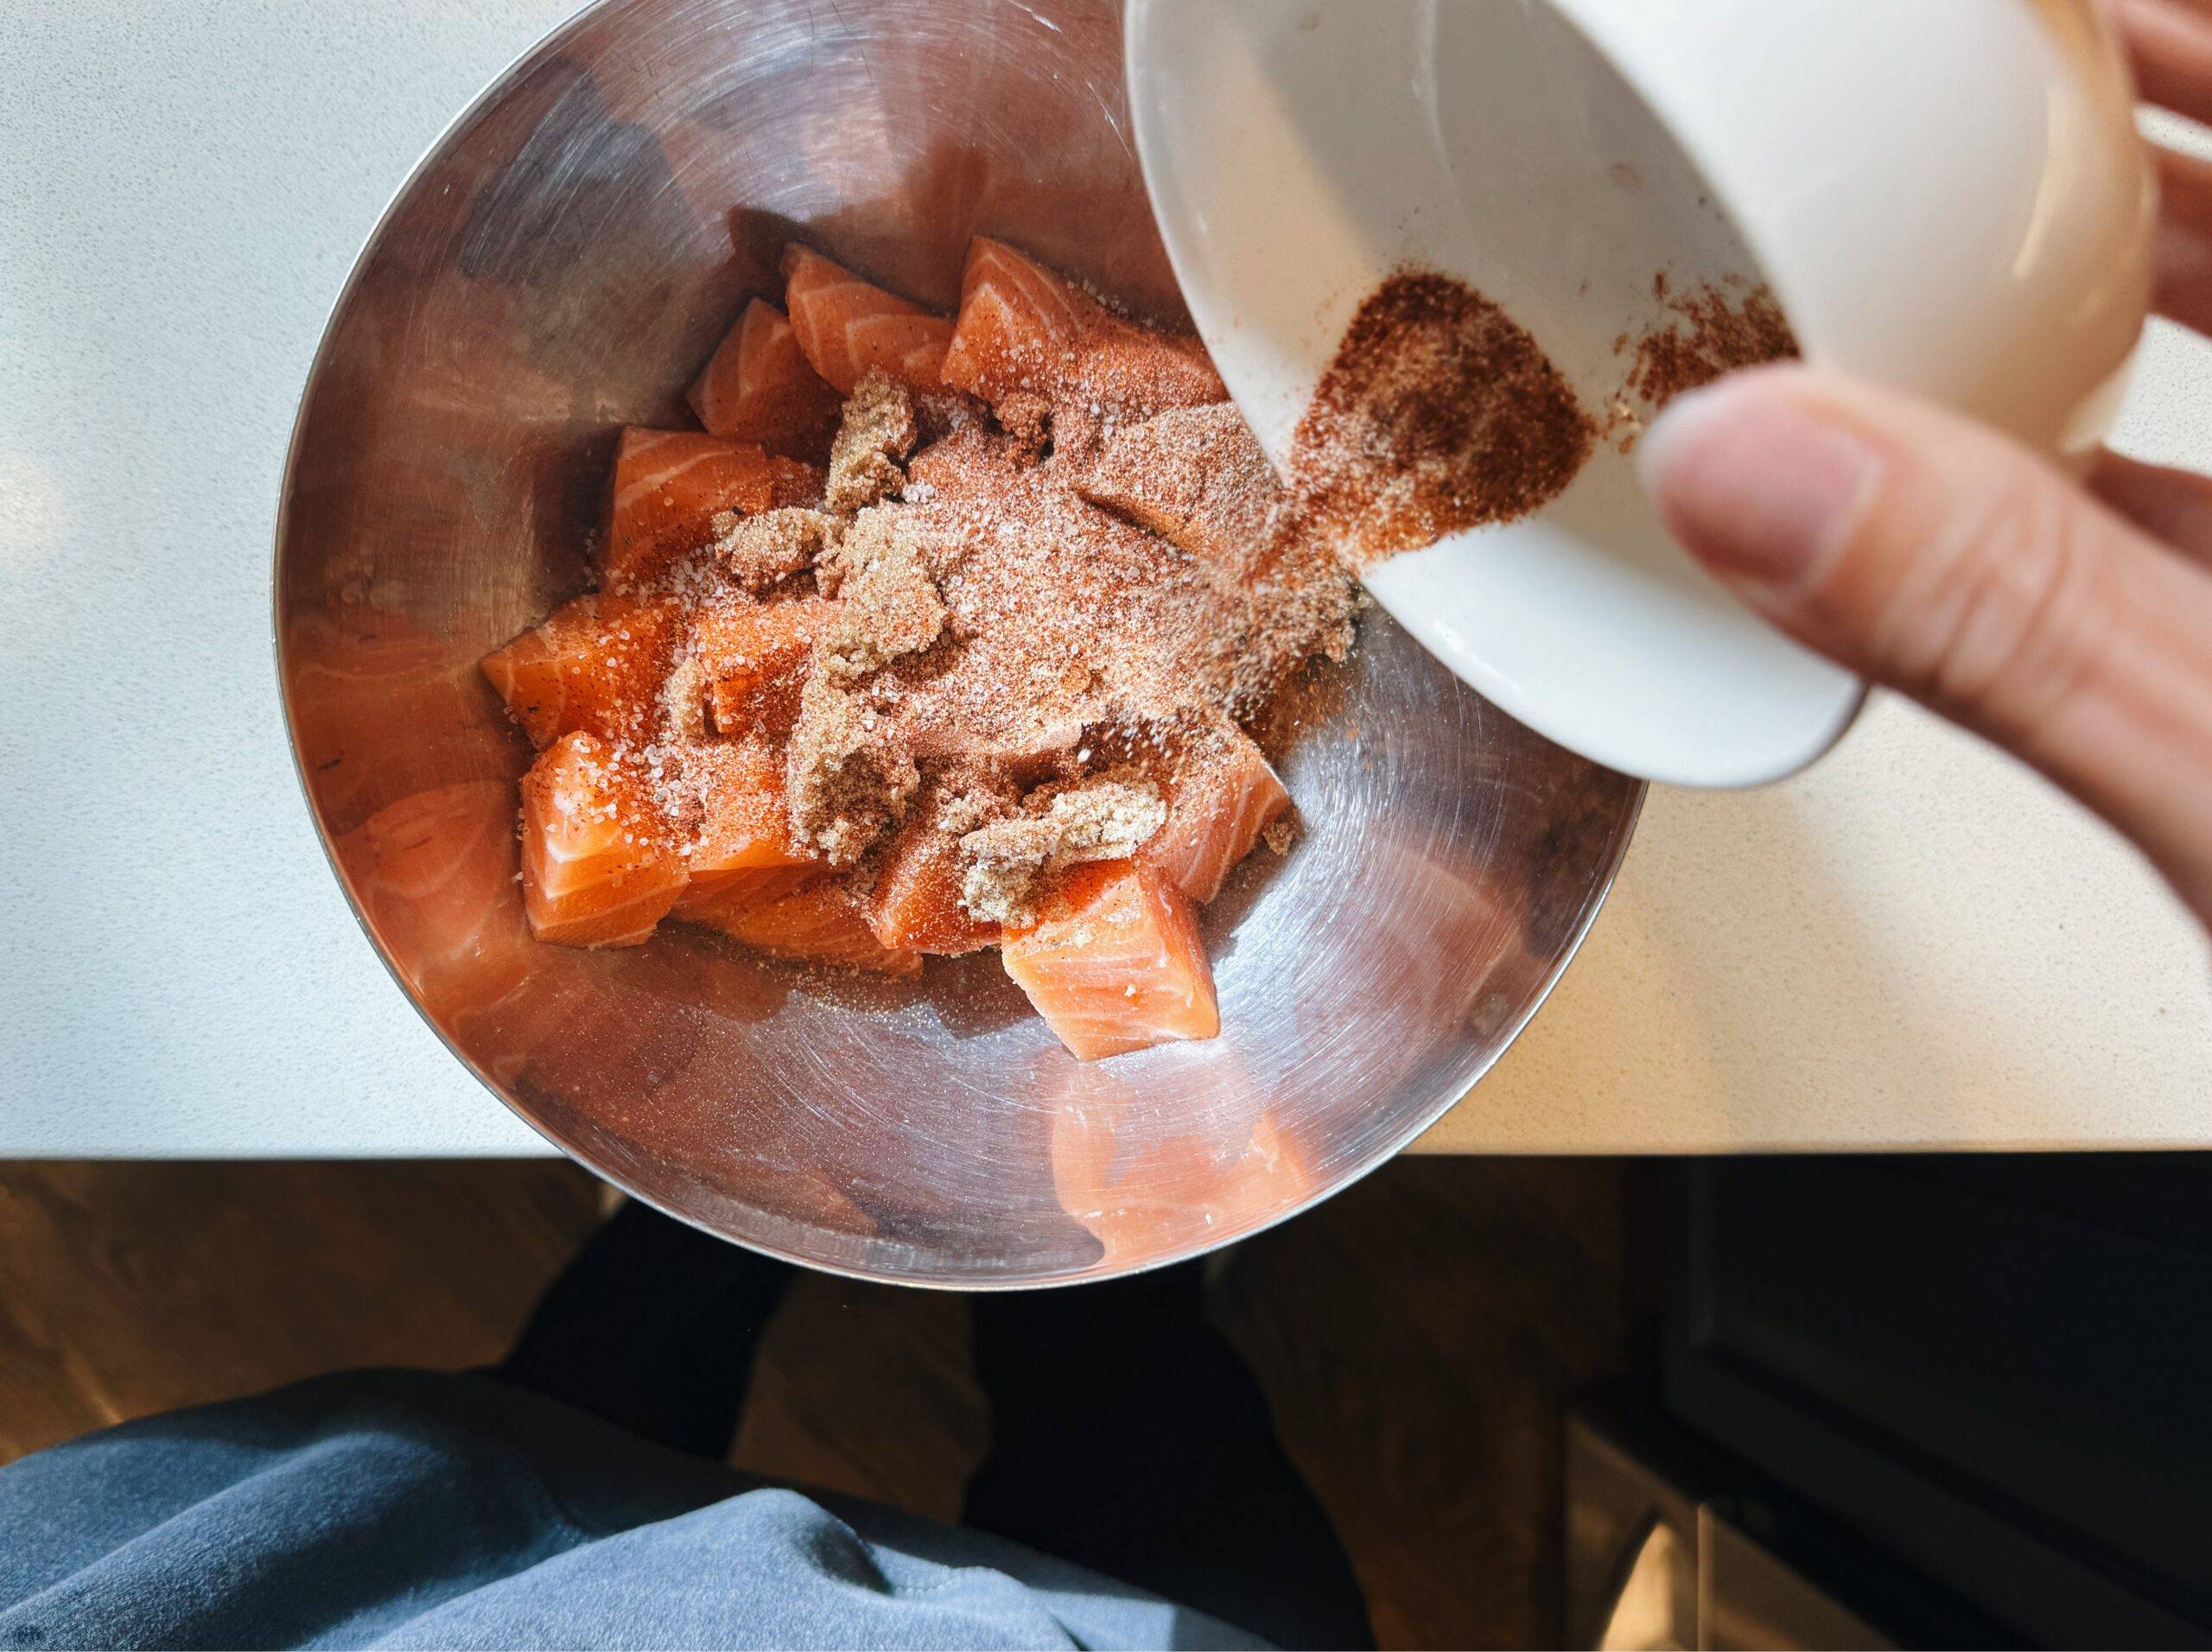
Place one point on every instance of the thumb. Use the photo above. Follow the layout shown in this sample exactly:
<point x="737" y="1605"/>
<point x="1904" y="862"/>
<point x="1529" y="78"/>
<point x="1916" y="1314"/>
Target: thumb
<point x="1936" y="556"/>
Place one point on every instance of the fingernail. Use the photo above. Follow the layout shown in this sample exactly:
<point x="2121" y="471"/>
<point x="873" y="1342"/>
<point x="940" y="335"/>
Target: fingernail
<point x="1757" y="480"/>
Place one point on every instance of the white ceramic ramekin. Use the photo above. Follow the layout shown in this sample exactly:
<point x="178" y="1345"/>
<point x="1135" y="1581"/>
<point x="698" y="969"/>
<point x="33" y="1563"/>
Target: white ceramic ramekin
<point x="1947" y="196"/>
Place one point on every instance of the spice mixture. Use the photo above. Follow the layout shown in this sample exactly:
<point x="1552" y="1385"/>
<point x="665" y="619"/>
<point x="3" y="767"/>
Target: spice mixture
<point x="985" y="674"/>
<point x="1438" y="414"/>
<point x="1713" y="331"/>
<point x="983" y="678"/>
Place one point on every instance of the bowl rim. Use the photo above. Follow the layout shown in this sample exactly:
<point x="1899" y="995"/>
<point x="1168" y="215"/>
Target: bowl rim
<point x="1466" y="1077"/>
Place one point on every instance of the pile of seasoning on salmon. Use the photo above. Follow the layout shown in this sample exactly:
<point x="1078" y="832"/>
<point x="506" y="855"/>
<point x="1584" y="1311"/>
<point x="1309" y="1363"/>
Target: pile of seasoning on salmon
<point x="942" y="635"/>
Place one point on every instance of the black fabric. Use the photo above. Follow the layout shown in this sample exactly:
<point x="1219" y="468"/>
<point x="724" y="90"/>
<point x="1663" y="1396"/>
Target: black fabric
<point x="1129" y="1437"/>
<point x="653" y="1327"/>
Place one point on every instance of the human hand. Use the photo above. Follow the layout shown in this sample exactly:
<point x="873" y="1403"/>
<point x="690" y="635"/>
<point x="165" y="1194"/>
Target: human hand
<point x="2071" y="624"/>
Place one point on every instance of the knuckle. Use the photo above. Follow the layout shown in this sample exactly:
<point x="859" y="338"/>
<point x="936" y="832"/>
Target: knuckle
<point x="1996" y="616"/>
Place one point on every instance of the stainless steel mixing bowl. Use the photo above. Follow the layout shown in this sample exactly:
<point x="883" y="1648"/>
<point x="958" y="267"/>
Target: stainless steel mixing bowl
<point x="559" y="266"/>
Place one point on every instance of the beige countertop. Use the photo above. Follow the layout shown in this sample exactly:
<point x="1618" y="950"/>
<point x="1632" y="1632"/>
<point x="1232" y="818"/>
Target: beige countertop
<point x="1917" y="944"/>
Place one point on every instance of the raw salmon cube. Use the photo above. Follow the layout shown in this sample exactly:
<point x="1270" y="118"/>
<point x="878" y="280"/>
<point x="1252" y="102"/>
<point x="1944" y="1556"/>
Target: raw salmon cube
<point x="1116" y="964"/>
<point x="722" y="900"/>
<point x="742" y="852"/>
<point x="753" y="658"/>
<point x="600" y="868"/>
<point x="759" y="388"/>
<point x="1019" y="325"/>
<point x="669" y="486"/>
<point x="1223" y="794"/>
<point x="1140" y="370"/>
<point x="915" y="901"/>
<point x="969" y="464"/>
<point x="817" y="923"/>
<point x="596" y="665"/>
<point x="845" y="327"/>
<point x="1196" y="477"/>
<point x="1026" y="330"/>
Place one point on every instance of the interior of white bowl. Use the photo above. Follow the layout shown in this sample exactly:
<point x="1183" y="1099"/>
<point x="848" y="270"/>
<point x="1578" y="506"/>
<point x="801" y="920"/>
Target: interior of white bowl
<point x="560" y="266"/>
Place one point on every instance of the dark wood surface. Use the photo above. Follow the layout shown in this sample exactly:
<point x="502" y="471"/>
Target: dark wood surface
<point x="131" y="1288"/>
<point x="1418" y="1337"/>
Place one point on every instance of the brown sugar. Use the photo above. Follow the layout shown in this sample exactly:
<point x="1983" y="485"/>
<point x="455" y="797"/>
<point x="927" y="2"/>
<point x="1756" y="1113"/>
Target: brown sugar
<point x="1196" y="477"/>
<point x="760" y="552"/>
<point x="888" y="606"/>
<point x="991" y="616"/>
<point x="877" y="432"/>
<point x="1438" y="414"/>
<point x="1010" y="859"/>
<point x="847" y="774"/>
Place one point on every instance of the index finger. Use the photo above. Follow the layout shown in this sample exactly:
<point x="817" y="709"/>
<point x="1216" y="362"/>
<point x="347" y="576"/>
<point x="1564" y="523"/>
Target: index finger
<point x="2169" y="43"/>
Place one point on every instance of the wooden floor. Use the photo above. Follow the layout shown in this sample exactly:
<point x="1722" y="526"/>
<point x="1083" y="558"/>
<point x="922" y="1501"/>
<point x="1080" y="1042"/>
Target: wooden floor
<point x="1417" y="1338"/>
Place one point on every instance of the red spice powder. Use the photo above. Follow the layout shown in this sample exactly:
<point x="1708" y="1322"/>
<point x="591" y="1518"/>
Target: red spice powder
<point x="1717" y="331"/>
<point x="1440" y="413"/>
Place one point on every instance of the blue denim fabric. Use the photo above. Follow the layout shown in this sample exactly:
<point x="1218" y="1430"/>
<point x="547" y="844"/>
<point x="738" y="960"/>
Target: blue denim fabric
<point x="407" y="1509"/>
